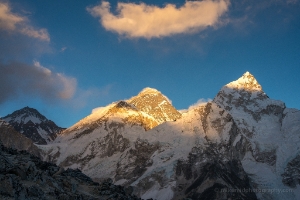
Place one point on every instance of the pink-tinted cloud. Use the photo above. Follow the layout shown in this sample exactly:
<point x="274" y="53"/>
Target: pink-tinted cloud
<point x="12" y="22"/>
<point x="148" y="21"/>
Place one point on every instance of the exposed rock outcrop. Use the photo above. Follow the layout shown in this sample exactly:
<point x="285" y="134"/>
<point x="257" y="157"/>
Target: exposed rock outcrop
<point x="24" y="176"/>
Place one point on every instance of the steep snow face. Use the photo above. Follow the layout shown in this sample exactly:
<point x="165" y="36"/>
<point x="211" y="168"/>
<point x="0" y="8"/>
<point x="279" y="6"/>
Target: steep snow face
<point x="90" y="144"/>
<point x="96" y="114"/>
<point x="271" y="129"/>
<point x="33" y="125"/>
<point x="155" y="104"/>
<point x="119" y="112"/>
<point x="257" y="116"/>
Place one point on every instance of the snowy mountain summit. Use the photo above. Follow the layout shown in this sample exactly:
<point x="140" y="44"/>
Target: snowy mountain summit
<point x="234" y="147"/>
<point x="33" y="125"/>
<point x="246" y="82"/>
<point x="155" y="104"/>
<point x="245" y="94"/>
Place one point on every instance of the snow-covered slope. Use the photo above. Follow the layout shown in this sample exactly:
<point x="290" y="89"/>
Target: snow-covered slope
<point x="233" y="147"/>
<point x="33" y="125"/>
<point x="119" y="112"/>
<point x="100" y="138"/>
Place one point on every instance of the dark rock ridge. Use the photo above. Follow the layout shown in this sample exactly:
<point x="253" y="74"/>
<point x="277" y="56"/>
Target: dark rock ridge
<point x="24" y="176"/>
<point x="33" y="125"/>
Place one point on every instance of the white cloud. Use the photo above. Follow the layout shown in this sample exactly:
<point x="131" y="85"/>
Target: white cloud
<point x="200" y="102"/>
<point x="149" y="21"/>
<point x="41" y="34"/>
<point x="39" y="67"/>
<point x="12" y="22"/>
<point x="98" y="109"/>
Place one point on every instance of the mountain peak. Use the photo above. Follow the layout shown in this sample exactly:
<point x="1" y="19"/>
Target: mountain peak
<point x="25" y="114"/>
<point x="246" y="94"/>
<point x="247" y="73"/>
<point x="247" y="82"/>
<point x="149" y="90"/>
<point x="155" y="104"/>
<point x="28" y="109"/>
<point x="31" y="123"/>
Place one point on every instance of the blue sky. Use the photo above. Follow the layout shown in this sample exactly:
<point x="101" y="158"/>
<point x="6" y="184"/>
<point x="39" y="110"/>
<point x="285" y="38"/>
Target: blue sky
<point x="65" y="58"/>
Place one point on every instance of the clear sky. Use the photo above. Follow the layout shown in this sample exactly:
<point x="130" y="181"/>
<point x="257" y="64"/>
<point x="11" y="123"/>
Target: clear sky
<point x="65" y="58"/>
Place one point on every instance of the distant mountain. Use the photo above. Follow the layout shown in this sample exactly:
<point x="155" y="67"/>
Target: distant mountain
<point x="241" y="145"/>
<point x="33" y="125"/>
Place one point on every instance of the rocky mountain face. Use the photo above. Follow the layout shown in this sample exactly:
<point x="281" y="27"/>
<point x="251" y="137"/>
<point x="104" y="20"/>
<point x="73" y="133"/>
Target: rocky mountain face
<point x="24" y="176"/>
<point x="10" y="138"/>
<point x="155" y="104"/>
<point x="241" y="145"/>
<point x="272" y="132"/>
<point x="33" y="125"/>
